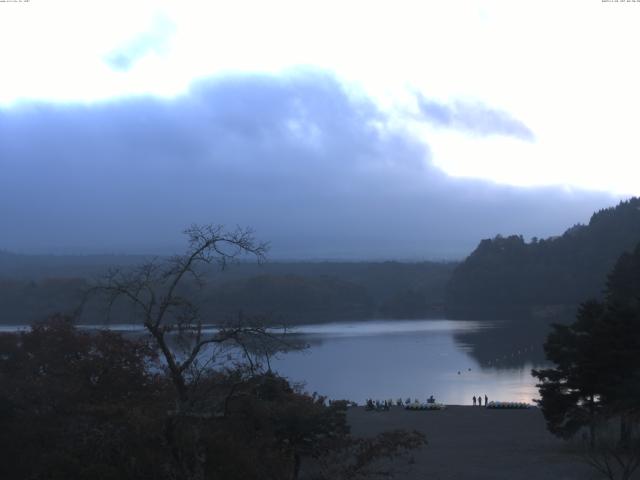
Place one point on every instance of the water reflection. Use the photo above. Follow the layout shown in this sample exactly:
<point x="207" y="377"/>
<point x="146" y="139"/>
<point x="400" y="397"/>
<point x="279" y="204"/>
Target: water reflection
<point x="452" y="360"/>
<point x="389" y="327"/>
<point x="507" y="345"/>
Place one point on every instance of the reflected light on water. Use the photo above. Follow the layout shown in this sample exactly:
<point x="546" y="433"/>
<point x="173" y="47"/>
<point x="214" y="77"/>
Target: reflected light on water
<point x="389" y="360"/>
<point x="385" y="327"/>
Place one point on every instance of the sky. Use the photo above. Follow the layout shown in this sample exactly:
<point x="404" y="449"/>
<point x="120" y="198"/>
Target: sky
<point x="359" y="130"/>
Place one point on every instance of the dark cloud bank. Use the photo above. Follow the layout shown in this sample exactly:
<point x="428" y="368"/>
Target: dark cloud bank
<point x="312" y="170"/>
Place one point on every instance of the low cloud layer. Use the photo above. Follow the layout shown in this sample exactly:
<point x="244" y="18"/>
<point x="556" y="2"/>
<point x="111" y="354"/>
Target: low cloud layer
<point x="313" y="170"/>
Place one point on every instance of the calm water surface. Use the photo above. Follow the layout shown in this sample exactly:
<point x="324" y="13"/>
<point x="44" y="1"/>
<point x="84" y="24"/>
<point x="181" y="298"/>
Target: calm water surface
<point x="451" y="360"/>
<point x="388" y="359"/>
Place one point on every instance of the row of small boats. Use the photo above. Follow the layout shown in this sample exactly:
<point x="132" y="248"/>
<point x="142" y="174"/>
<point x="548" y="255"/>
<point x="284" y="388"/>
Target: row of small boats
<point x="494" y="405"/>
<point x="508" y="405"/>
<point x="425" y="406"/>
<point x="416" y="405"/>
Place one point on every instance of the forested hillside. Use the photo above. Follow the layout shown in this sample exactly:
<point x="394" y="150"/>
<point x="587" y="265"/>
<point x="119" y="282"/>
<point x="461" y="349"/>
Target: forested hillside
<point x="510" y="274"/>
<point x="32" y="288"/>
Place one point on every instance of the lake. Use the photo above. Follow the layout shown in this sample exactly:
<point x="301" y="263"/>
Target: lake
<point x="389" y="359"/>
<point x="451" y="360"/>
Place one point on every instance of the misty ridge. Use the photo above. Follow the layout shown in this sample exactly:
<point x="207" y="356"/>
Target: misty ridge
<point x="504" y="277"/>
<point x="32" y="287"/>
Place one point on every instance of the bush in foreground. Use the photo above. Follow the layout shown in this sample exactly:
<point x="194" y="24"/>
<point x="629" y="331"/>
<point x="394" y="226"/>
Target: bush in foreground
<point x="98" y="406"/>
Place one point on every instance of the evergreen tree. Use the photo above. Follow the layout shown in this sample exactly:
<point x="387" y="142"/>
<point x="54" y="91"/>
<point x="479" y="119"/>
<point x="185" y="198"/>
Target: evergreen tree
<point x="597" y="358"/>
<point x="571" y="390"/>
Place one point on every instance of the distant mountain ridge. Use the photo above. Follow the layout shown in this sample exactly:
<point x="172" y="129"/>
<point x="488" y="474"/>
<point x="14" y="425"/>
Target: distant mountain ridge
<point x="510" y="274"/>
<point x="32" y="267"/>
<point x="33" y="287"/>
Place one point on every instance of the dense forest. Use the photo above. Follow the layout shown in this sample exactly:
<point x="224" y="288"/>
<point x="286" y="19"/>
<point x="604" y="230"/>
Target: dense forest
<point x="512" y="276"/>
<point x="33" y="287"/>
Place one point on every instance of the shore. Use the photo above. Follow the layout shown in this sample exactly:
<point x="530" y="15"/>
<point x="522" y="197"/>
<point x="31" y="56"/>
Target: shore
<point x="476" y="443"/>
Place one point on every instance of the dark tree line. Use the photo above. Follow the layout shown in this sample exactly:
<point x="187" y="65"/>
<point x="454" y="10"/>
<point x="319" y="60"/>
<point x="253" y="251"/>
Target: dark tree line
<point x="508" y="273"/>
<point x="300" y="292"/>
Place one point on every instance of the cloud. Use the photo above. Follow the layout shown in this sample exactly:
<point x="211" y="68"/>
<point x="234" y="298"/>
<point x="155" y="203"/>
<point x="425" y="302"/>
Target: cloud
<point x="314" y="170"/>
<point x="154" y="40"/>
<point x="474" y="118"/>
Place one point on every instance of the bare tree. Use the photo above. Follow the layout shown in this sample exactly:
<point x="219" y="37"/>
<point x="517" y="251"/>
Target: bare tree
<point x="213" y="395"/>
<point x="163" y="295"/>
<point x="608" y="454"/>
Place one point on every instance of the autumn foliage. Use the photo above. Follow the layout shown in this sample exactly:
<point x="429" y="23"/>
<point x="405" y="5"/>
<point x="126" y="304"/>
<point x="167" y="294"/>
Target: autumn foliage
<point x="94" y="405"/>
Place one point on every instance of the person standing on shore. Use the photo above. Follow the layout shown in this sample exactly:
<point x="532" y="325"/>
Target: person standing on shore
<point x="479" y="400"/>
<point x="474" y="400"/>
<point x="486" y="400"/>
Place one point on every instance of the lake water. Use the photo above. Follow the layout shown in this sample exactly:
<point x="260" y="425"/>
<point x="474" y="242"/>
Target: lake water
<point x="451" y="360"/>
<point x="389" y="359"/>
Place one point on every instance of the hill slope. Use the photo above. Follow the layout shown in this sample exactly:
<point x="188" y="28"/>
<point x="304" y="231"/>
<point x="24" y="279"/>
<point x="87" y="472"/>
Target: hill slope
<point x="509" y="274"/>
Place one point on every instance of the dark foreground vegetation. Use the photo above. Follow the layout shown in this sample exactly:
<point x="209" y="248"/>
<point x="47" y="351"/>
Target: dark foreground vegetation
<point x="594" y="385"/>
<point x="75" y="405"/>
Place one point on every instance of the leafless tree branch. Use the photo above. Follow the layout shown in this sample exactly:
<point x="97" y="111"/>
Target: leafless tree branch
<point x="157" y="292"/>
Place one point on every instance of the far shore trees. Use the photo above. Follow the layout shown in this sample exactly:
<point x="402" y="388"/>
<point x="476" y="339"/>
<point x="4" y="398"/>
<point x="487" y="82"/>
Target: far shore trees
<point x="508" y="275"/>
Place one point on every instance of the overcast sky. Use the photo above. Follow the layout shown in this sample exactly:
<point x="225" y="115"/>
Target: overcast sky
<point x="335" y="129"/>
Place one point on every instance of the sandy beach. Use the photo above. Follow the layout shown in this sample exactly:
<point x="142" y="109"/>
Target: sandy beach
<point x="477" y="443"/>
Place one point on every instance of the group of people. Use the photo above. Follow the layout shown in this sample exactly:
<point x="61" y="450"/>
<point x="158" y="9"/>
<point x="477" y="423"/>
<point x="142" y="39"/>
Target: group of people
<point x="478" y="400"/>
